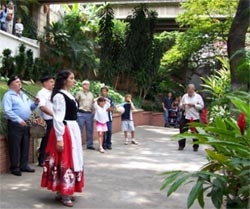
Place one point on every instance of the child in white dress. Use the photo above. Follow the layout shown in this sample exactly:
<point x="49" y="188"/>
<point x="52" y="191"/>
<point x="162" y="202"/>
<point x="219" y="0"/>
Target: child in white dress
<point x="101" y="105"/>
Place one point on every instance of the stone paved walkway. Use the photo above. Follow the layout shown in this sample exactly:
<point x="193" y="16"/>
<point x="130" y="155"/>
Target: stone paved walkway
<point x="127" y="177"/>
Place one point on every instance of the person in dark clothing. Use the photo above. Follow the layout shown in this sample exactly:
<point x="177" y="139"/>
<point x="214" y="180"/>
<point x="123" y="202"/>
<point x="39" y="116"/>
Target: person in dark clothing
<point x="46" y="112"/>
<point x="167" y="105"/>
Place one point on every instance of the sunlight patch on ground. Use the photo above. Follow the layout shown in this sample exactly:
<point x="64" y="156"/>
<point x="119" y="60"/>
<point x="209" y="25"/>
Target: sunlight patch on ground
<point x="22" y="187"/>
<point x="38" y="205"/>
<point x="163" y="131"/>
<point x="146" y="152"/>
<point x="132" y="196"/>
<point x="149" y="166"/>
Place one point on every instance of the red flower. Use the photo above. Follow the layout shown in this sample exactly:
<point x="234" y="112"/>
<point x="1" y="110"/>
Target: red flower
<point x="204" y="118"/>
<point x="242" y="123"/>
<point x="193" y="129"/>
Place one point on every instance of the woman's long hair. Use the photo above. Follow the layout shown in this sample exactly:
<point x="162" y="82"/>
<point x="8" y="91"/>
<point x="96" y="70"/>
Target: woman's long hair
<point x="59" y="83"/>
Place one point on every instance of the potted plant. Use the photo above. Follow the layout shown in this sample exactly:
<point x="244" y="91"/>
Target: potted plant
<point x="3" y="123"/>
<point x="226" y="176"/>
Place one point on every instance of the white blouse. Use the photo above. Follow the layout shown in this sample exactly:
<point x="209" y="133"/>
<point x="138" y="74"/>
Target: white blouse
<point x="101" y="112"/>
<point x="59" y="111"/>
<point x="44" y="96"/>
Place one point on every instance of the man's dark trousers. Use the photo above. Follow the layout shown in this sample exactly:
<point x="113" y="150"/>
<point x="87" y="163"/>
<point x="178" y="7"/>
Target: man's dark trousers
<point x="44" y="141"/>
<point x="107" y="136"/>
<point x="184" y="128"/>
<point x="18" y="141"/>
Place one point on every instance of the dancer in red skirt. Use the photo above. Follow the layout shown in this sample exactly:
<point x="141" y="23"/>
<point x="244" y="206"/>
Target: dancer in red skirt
<point x="63" y="166"/>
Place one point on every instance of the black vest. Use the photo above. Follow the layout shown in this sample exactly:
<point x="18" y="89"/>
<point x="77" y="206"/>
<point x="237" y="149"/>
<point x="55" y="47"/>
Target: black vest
<point x="71" y="108"/>
<point x="126" y="114"/>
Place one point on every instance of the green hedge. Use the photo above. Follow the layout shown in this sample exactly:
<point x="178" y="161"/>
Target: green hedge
<point x="95" y="88"/>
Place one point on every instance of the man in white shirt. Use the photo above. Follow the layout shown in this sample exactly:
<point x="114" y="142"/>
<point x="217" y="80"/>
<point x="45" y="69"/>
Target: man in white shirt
<point x="191" y="103"/>
<point x="46" y="112"/>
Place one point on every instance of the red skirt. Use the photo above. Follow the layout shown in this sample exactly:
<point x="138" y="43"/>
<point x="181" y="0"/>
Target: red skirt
<point x="58" y="171"/>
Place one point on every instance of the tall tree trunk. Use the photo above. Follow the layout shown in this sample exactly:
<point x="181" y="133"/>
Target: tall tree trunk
<point x="117" y="81"/>
<point x="236" y="38"/>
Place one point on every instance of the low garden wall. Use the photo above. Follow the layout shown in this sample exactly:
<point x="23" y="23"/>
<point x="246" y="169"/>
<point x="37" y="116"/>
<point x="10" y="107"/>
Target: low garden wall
<point x="140" y="118"/>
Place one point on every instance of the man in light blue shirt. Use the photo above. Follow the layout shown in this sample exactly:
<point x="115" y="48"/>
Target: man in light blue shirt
<point x="17" y="108"/>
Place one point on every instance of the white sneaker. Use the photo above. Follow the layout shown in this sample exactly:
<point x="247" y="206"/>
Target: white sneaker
<point x="134" y="142"/>
<point x="126" y="142"/>
<point x="101" y="150"/>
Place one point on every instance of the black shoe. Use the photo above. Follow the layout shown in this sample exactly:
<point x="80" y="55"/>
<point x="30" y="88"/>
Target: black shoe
<point x="181" y="148"/>
<point x="195" y="149"/>
<point x="40" y="164"/>
<point x="110" y="148"/>
<point x="92" y="148"/>
<point x="16" y="172"/>
<point x="28" y="169"/>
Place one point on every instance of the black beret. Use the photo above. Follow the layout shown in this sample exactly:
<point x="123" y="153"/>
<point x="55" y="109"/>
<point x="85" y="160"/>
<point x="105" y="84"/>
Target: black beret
<point x="47" y="77"/>
<point x="11" y="79"/>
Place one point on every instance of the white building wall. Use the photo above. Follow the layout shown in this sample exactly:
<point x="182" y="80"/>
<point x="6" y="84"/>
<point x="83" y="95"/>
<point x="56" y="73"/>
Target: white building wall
<point x="40" y="15"/>
<point x="13" y="42"/>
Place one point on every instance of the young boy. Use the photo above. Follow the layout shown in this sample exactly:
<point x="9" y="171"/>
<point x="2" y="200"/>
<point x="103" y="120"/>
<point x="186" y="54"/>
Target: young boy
<point x="19" y="27"/>
<point x="127" y="119"/>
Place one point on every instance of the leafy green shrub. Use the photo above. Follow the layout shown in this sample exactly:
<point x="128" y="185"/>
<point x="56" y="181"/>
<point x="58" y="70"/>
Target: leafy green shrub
<point x="3" y="87"/>
<point x="3" y="124"/>
<point x="218" y="86"/>
<point x="95" y="88"/>
<point x="24" y="65"/>
<point x="154" y="106"/>
<point x="226" y="176"/>
<point x="70" y="41"/>
<point x="8" y="66"/>
<point x="242" y="70"/>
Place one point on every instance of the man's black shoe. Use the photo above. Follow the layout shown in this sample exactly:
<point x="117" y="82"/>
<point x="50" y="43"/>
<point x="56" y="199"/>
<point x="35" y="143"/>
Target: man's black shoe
<point x="180" y="148"/>
<point x="195" y="149"/>
<point x="110" y="148"/>
<point x="16" y="173"/>
<point x="92" y="148"/>
<point x="40" y="164"/>
<point x="28" y="169"/>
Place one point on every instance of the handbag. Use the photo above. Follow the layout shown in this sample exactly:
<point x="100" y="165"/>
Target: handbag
<point x="38" y="128"/>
